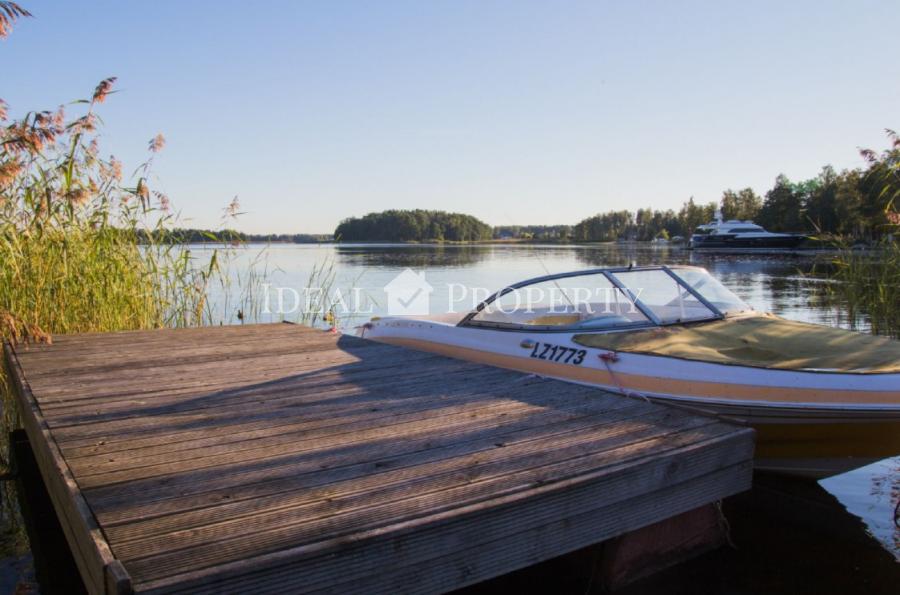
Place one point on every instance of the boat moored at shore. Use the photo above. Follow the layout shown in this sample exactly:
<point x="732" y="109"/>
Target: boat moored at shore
<point x="822" y="400"/>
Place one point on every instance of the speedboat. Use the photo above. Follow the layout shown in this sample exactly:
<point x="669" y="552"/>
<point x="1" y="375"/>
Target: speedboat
<point x="822" y="400"/>
<point x="719" y="234"/>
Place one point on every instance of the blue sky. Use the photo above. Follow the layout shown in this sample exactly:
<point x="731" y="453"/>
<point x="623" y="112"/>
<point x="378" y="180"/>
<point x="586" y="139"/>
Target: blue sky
<point x="517" y="112"/>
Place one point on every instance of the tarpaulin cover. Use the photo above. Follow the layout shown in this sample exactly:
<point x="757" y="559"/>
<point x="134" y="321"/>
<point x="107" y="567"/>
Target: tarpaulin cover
<point x="764" y="341"/>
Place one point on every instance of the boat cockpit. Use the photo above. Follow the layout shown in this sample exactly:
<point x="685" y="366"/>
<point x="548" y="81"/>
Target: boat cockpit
<point x="608" y="299"/>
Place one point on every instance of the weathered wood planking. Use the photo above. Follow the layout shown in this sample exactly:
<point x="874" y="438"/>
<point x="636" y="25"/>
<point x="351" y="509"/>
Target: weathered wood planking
<point x="280" y="458"/>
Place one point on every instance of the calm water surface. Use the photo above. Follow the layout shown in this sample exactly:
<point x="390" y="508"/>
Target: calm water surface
<point x="784" y="285"/>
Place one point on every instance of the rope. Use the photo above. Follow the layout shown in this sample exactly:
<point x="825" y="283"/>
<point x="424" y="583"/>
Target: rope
<point x="612" y="357"/>
<point x="724" y="524"/>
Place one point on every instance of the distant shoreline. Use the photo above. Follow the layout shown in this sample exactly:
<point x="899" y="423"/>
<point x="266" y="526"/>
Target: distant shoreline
<point x="417" y="242"/>
<point x="678" y="246"/>
<point x="809" y="251"/>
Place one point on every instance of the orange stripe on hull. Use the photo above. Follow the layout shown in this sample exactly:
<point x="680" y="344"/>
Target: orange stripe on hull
<point x="742" y="394"/>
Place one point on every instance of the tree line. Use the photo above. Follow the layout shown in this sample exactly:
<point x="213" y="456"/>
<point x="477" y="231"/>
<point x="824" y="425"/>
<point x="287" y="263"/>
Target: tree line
<point x="181" y="235"/>
<point x="544" y="233"/>
<point x="643" y="224"/>
<point x="850" y="204"/>
<point x="413" y="226"/>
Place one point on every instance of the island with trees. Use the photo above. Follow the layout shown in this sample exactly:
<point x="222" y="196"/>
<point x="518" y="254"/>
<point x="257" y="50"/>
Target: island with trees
<point x="417" y="225"/>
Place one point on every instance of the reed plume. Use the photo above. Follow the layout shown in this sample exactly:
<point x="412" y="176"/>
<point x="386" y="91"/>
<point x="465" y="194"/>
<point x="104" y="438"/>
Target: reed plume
<point x="10" y="12"/>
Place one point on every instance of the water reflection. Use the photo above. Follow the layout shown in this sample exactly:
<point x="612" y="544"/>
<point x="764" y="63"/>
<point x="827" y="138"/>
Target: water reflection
<point x="412" y="256"/>
<point x="787" y="285"/>
<point x="607" y="255"/>
<point x="873" y="494"/>
<point x="790" y="286"/>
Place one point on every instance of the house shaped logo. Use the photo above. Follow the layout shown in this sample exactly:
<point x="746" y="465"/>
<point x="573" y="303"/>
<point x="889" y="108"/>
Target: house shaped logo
<point x="408" y="294"/>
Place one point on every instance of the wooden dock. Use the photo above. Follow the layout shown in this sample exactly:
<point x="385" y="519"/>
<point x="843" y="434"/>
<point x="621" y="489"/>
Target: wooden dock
<point x="276" y="458"/>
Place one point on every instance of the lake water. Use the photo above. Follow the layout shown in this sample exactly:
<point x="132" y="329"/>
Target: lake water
<point x="790" y="286"/>
<point x="460" y="274"/>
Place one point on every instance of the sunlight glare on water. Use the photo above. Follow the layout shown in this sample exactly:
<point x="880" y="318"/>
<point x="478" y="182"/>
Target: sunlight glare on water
<point x="872" y="493"/>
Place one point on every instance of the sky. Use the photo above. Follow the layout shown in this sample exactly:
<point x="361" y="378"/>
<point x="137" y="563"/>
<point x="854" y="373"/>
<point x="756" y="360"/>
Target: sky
<point x="516" y="112"/>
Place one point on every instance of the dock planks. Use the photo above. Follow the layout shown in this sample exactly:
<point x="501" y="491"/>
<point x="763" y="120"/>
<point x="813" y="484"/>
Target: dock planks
<point x="276" y="458"/>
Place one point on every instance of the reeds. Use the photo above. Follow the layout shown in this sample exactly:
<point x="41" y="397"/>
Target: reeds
<point x="867" y="286"/>
<point x="868" y="283"/>
<point x="9" y="13"/>
<point x="319" y="307"/>
<point x="81" y="248"/>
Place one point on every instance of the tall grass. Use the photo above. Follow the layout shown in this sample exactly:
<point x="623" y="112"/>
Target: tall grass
<point x="82" y="248"/>
<point x="868" y="287"/>
<point x="868" y="284"/>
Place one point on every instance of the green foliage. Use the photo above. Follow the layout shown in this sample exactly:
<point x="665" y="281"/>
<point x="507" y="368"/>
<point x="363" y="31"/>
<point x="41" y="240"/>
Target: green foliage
<point x="70" y="229"/>
<point x="743" y="205"/>
<point x="81" y="250"/>
<point x="201" y="236"/>
<point x="867" y="288"/>
<point x="543" y="233"/>
<point x="691" y="215"/>
<point x="643" y="225"/>
<point x="605" y="227"/>
<point x="852" y="204"/>
<point x="783" y="209"/>
<point x="71" y="258"/>
<point x="867" y="285"/>
<point x="413" y="226"/>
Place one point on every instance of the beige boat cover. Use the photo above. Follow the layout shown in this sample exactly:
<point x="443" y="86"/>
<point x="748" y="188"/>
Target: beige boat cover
<point x="764" y="341"/>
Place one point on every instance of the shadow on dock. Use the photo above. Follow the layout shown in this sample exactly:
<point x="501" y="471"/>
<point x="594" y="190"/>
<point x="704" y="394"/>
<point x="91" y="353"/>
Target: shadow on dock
<point x="287" y="458"/>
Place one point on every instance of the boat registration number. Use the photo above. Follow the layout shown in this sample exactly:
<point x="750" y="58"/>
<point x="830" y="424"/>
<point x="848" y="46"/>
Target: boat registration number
<point x="558" y="353"/>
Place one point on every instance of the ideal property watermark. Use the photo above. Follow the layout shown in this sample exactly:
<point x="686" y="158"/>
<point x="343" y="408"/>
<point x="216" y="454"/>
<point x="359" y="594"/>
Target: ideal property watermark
<point x="314" y="300"/>
<point x="409" y="293"/>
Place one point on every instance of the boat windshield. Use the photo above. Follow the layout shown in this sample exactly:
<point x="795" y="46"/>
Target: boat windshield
<point x="589" y="301"/>
<point x="712" y="290"/>
<point x="608" y="299"/>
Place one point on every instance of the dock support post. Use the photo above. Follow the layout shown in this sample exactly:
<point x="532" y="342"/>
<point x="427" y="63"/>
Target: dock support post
<point x="54" y="566"/>
<point x="117" y="580"/>
<point x="648" y="550"/>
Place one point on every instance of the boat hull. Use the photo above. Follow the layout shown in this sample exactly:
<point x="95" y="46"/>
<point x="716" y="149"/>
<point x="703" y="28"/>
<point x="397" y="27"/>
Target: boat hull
<point x="807" y="423"/>
<point x="718" y="241"/>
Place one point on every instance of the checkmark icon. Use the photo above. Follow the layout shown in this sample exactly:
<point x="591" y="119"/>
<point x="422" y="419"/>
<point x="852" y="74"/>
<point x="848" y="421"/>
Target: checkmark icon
<point x="407" y="302"/>
<point x="408" y="294"/>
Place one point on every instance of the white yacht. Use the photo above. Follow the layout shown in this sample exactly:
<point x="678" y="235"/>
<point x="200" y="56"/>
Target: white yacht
<point x="740" y="234"/>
